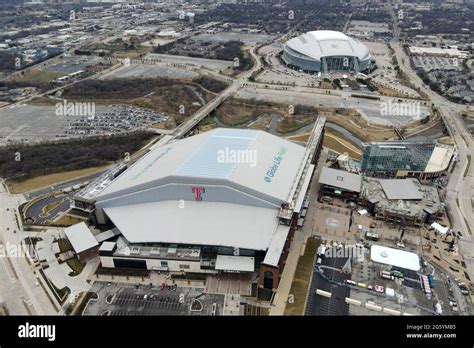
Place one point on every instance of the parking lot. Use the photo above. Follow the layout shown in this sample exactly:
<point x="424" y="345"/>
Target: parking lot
<point x="385" y="74"/>
<point x="114" y="120"/>
<point x="410" y="295"/>
<point x="127" y="299"/>
<point x="32" y="123"/>
<point x="328" y="281"/>
<point x="69" y="65"/>
<point x="428" y="63"/>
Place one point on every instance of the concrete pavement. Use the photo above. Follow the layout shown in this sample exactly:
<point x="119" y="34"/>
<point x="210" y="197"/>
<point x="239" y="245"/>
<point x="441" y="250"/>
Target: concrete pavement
<point x="25" y="284"/>
<point x="460" y="187"/>
<point x="301" y="235"/>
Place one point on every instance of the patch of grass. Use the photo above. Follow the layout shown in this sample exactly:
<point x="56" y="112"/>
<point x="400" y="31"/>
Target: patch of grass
<point x="64" y="245"/>
<point x="234" y="115"/>
<point x="48" y="207"/>
<point x="76" y="265"/>
<point x="302" y="137"/>
<point x="293" y="123"/>
<point x="340" y="145"/>
<point x="262" y="123"/>
<point x="326" y="85"/>
<point x="36" y="75"/>
<point x="300" y="285"/>
<point x="38" y="182"/>
<point x="68" y="220"/>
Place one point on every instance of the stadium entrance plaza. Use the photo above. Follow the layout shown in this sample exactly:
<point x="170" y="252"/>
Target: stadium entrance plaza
<point x="332" y="223"/>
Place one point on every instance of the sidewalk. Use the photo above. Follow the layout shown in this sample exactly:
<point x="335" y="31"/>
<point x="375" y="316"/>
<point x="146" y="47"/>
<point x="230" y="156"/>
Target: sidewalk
<point x="154" y="278"/>
<point x="301" y="235"/>
<point x="283" y="291"/>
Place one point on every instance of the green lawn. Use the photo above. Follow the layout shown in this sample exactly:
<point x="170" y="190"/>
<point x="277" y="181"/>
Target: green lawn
<point x="76" y="265"/>
<point x="299" y="287"/>
<point x="36" y="75"/>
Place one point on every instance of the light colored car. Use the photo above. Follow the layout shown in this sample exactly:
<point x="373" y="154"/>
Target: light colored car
<point x="379" y="288"/>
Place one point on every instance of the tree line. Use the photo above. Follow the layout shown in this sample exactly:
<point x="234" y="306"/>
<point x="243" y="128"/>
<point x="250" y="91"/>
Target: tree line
<point x="24" y="161"/>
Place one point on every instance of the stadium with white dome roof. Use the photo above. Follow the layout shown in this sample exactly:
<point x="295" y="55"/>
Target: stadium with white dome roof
<point x="326" y="51"/>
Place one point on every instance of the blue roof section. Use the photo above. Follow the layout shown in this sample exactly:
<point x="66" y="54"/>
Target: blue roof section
<point x="235" y="133"/>
<point x="212" y="159"/>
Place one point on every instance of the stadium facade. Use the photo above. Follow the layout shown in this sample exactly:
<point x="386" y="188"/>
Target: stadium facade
<point x="326" y="51"/>
<point x="203" y="204"/>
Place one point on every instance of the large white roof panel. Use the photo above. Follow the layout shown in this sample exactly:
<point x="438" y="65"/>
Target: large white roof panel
<point x="197" y="223"/>
<point x="80" y="237"/>
<point x="235" y="263"/>
<point x="324" y="43"/>
<point x="395" y="257"/>
<point x="265" y="163"/>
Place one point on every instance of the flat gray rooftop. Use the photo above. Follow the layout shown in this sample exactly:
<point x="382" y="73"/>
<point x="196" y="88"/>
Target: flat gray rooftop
<point x="80" y="237"/>
<point x="406" y="189"/>
<point x="340" y="178"/>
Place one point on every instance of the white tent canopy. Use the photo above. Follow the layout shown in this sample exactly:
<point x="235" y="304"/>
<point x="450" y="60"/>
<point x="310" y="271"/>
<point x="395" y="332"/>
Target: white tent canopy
<point x="395" y="257"/>
<point x="440" y="228"/>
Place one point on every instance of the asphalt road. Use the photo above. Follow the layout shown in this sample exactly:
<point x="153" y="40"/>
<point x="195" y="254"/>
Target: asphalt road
<point x="24" y="287"/>
<point x="460" y="187"/>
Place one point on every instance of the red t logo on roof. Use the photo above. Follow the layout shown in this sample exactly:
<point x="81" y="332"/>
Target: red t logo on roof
<point x="198" y="192"/>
